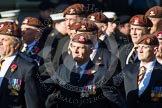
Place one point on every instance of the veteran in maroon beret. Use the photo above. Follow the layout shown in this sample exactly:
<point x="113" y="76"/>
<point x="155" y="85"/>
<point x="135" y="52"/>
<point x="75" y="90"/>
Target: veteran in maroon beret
<point x="100" y="51"/>
<point x="82" y="76"/>
<point x="17" y="71"/>
<point x="72" y="13"/>
<point x="142" y="80"/>
<point x="159" y="53"/>
<point x="155" y="15"/>
<point x="101" y="21"/>
<point x="31" y="31"/>
<point x="83" y="26"/>
<point x="139" y="26"/>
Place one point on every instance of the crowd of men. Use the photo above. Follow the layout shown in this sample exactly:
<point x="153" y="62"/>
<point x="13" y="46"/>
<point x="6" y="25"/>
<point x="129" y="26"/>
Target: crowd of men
<point x="78" y="60"/>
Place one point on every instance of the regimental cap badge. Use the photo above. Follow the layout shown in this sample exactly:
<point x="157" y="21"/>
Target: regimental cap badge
<point x="148" y="40"/>
<point x="159" y="35"/>
<point x="83" y="27"/>
<point x="152" y="13"/>
<point x="136" y="21"/>
<point x="72" y="11"/>
<point x="92" y="18"/>
<point x="81" y="39"/>
<point x="1" y="26"/>
<point x="9" y="32"/>
<point x="25" y="21"/>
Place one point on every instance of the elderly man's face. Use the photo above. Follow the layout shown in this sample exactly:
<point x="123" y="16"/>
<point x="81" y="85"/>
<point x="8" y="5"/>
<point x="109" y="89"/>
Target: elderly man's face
<point x="7" y="45"/>
<point x="80" y="52"/>
<point x="29" y="33"/>
<point x="70" y="19"/>
<point x="136" y="32"/>
<point x="156" y="24"/>
<point x="146" y="53"/>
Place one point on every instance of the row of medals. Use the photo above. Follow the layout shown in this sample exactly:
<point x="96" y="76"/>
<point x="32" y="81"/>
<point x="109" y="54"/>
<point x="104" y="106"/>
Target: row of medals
<point x="89" y="90"/>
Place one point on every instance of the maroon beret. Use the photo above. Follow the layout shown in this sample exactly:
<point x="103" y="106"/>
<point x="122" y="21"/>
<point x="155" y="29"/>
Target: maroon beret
<point x="82" y="38"/>
<point x="84" y="26"/>
<point x="98" y="17"/>
<point x="31" y="21"/>
<point x="75" y="9"/>
<point x="155" y="12"/>
<point x="141" y="20"/>
<point x="159" y="35"/>
<point x="149" y="39"/>
<point x="9" y="28"/>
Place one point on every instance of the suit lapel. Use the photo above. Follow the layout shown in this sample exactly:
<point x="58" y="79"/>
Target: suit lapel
<point x="131" y="79"/>
<point x="4" y="84"/>
<point x="135" y="77"/>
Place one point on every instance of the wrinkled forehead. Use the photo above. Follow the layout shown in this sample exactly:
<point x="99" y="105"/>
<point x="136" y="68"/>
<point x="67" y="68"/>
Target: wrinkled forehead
<point x="5" y="36"/>
<point x="138" y="27"/>
<point x="74" y="17"/>
<point x="146" y="46"/>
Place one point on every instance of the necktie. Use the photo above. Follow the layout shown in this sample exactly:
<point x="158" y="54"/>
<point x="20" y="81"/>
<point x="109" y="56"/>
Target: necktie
<point x="131" y="59"/>
<point x="78" y="69"/>
<point x="1" y="61"/>
<point x="141" y="74"/>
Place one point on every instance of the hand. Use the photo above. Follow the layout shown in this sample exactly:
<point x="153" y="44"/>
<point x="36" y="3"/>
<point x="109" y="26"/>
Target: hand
<point x="111" y="28"/>
<point x="52" y="100"/>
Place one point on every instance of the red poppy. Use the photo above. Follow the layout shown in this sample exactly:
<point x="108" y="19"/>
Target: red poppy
<point x="13" y="67"/>
<point x="37" y="49"/>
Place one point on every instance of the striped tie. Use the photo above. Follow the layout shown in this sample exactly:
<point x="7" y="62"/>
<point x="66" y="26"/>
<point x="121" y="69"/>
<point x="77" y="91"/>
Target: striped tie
<point x="131" y="59"/>
<point x="141" y="74"/>
<point x="1" y="61"/>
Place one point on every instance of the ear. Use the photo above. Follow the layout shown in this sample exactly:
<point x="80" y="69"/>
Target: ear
<point x="37" y="34"/>
<point x="91" y="50"/>
<point x="155" y="50"/>
<point x="104" y="27"/>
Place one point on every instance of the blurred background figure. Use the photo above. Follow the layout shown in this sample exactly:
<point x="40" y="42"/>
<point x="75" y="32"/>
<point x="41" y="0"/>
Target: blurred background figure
<point x="46" y="9"/>
<point x="123" y="30"/>
<point x="155" y="15"/>
<point x="159" y="53"/>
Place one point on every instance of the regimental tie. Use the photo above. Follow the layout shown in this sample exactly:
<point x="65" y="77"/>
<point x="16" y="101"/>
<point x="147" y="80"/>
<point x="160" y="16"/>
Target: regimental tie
<point x="131" y="58"/>
<point x="1" y="61"/>
<point x="141" y="74"/>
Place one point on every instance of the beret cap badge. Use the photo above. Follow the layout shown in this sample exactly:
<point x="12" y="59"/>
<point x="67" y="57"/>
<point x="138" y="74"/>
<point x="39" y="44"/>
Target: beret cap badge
<point x="136" y="21"/>
<point x="148" y="40"/>
<point x="1" y="26"/>
<point x="152" y="13"/>
<point x="72" y="11"/>
<point x="25" y="21"/>
<point x="83" y="27"/>
<point x="81" y="39"/>
<point x="92" y="18"/>
<point x="9" y="31"/>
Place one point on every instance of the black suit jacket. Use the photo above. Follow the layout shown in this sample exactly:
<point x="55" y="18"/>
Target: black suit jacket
<point x="61" y="49"/>
<point x="109" y="97"/>
<point x="131" y="87"/>
<point x="124" y="52"/>
<point x="26" y="96"/>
